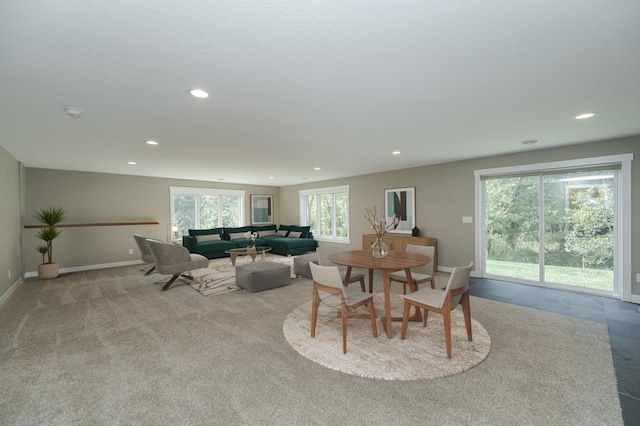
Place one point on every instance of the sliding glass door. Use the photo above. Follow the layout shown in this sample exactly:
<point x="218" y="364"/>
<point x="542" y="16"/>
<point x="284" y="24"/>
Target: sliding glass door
<point x="552" y="228"/>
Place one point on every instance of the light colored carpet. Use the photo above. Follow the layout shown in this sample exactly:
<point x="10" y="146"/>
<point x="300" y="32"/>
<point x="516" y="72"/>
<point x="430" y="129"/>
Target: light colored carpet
<point x="220" y="276"/>
<point x="109" y="347"/>
<point x="422" y="355"/>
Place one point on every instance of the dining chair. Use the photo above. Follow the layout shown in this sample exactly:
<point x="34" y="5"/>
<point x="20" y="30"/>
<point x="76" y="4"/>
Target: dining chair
<point x="443" y="302"/>
<point x="323" y="260"/>
<point x="419" y="274"/>
<point x="327" y="280"/>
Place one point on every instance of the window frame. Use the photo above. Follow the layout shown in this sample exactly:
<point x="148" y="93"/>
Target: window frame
<point x="319" y="192"/>
<point x="622" y="235"/>
<point x="212" y="192"/>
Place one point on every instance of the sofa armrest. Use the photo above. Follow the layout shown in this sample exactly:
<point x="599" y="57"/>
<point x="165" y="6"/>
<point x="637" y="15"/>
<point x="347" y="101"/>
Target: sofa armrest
<point x="189" y="242"/>
<point x="310" y="235"/>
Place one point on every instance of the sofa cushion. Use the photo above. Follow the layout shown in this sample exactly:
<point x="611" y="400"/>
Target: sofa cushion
<point x="262" y="228"/>
<point x="266" y="233"/>
<point x="237" y="235"/>
<point x="303" y="229"/>
<point x="239" y="230"/>
<point x="208" y="237"/>
<point x="282" y="233"/>
<point x="294" y="234"/>
<point x="195" y="232"/>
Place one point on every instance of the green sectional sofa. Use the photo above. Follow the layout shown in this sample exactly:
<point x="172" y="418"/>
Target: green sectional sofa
<point x="284" y="240"/>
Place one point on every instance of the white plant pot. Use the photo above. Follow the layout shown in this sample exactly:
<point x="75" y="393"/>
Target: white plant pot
<point x="48" y="271"/>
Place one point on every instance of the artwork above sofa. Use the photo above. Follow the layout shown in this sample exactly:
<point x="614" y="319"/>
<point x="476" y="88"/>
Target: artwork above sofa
<point x="284" y="240"/>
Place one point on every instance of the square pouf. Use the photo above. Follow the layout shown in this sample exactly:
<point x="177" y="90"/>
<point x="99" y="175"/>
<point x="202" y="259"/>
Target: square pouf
<point x="258" y="276"/>
<point x="301" y="264"/>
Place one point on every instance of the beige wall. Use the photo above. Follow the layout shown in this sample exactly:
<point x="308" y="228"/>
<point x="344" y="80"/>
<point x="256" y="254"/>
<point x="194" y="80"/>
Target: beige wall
<point x="99" y="197"/>
<point x="10" y="207"/>
<point x="445" y="193"/>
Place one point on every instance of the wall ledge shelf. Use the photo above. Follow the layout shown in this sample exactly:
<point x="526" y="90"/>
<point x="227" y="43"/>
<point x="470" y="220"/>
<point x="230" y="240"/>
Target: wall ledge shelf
<point x="80" y="225"/>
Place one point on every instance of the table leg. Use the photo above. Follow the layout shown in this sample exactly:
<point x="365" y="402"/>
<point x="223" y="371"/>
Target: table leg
<point x="387" y="303"/>
<point x="370" y="280"/>
<point x="264" y="257"/>
<point x="412" y="286"/>
<point x="233" y="258"/>
<point x="253" y="256"/>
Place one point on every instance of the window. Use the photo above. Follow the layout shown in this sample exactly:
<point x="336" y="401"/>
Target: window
<point x="562" y="224"/>
<point x="205" y="208"/>
<point x="326" y="211"/>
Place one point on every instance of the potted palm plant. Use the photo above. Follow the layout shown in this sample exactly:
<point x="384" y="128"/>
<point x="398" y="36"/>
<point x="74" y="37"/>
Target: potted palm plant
<point x="49" y="216"/>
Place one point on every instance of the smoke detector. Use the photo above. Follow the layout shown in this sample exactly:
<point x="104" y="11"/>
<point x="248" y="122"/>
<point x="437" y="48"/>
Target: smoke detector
<point x="73" y="112"/>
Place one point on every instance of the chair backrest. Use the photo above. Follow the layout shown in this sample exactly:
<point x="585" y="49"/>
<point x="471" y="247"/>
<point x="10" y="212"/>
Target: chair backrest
<point x="323" y="255"/>
<point x="426" y="251"/>
<point x="142" y="244"/>
<point x="458" y="279"/>
<point x="327" y="275"/>
<point x="167" y="253"/>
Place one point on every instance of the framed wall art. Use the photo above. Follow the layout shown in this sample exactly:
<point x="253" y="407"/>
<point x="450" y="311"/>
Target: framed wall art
<point x="261" y="209"/>
<point x="402" y="202"/>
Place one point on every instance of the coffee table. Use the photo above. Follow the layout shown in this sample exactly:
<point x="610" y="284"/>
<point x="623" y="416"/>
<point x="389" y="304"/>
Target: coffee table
<point x="253" y="252"/>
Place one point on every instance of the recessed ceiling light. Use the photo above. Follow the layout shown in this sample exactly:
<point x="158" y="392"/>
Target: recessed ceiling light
<point x="73" y="112"/>
<point x="529" y="141"/>
<point x="199" y="93"/>
<point x="317" y="168"/>
<point x="396" y="152"/>
<point x="586" y="115"/>
<point x="151" y="142"/>
<point x="133" y="163"/>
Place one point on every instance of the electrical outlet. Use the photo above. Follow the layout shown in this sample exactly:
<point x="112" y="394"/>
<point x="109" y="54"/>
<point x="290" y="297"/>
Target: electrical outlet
<point x="9" y="273"/>
<point x="467" y="219"/>
<point x="130" y="251"/>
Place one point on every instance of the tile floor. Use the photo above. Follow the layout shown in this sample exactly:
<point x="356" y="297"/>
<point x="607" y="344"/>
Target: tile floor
<point x="621" y="318"/>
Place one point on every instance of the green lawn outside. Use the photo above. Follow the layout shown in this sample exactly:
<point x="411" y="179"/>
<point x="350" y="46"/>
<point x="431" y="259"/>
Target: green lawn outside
<point x="579" y="277"/>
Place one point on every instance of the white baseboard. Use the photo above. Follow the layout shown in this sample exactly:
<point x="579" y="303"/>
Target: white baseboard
<point x="89" y="267"/>
<point x="9" y="292"/>
<point x="635" y="298"/>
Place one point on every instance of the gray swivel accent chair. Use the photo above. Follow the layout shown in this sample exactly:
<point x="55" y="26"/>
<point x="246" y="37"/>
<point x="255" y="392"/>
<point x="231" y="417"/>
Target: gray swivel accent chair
<point x="145" y="253"/>
<point x="175" y="260"/>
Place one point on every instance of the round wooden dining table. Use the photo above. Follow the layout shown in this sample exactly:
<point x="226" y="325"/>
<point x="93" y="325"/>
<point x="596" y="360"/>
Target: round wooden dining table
<point x="393" y="261"/>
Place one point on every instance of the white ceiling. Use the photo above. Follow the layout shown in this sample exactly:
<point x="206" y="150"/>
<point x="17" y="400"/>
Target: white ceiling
<point x="301" y="84"/>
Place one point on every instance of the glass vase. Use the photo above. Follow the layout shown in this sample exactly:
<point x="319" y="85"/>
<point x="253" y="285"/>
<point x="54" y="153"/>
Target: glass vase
<point x="379" y="249"/>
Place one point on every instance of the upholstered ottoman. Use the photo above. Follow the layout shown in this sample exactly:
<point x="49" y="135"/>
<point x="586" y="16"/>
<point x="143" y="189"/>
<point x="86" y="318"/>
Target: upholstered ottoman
<point x="258" y="276"/>
<point x="301" y="264"/>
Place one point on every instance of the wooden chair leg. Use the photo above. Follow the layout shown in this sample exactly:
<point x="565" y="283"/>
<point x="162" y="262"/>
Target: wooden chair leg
<point x="426" y="315"/>
<point x="372" y="314"/>
<point x="314" y="311"/>
<point x="344" y="329"/>
<point x="466" y="309"/>
<point x="362" y="284"/>
<point x="405" y="318"/>
<point x="447" y="331"/>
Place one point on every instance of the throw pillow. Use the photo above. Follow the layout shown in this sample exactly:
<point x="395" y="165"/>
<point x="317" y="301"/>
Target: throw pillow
<point x="267" y="233"/>
<point x="210" y="237"/>
<point x="282" y="233"/>
<point x="294" y="234"/>
<point x="237" y="235"/>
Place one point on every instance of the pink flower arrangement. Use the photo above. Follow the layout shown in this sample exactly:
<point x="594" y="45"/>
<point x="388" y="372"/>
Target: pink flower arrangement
<point x="380" y="226"/>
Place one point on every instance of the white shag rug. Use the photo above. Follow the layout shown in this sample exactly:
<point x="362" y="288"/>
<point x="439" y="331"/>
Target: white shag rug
<point x="422" y="355"/>
<point x="220" y="276"/>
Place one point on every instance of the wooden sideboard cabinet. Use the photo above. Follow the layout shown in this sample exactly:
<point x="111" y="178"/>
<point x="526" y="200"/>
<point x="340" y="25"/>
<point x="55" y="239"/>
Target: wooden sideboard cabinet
<point x="398" y="242"/>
